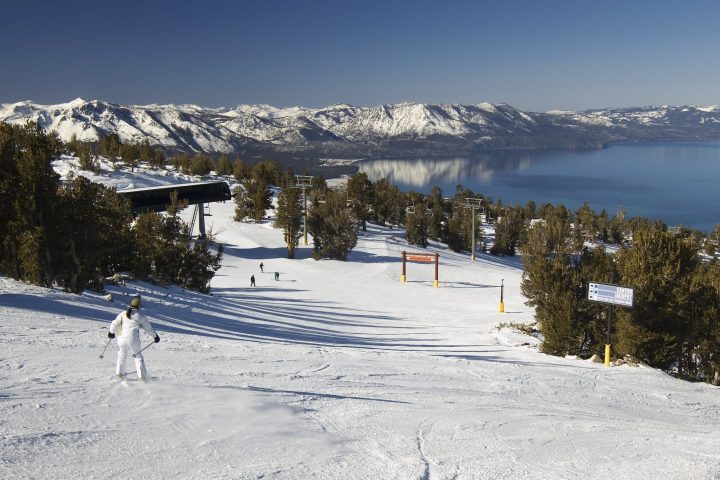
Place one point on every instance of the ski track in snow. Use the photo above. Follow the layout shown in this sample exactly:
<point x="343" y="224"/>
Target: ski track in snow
<point x="336" y="371"/>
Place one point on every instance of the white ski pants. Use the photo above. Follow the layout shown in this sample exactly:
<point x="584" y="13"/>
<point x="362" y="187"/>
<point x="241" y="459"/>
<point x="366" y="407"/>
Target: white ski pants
<point x="131" y="343"/>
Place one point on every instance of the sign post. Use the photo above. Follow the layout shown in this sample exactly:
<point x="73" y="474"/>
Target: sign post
<point x="421" y="257"/>
<point x="610" y="295"/>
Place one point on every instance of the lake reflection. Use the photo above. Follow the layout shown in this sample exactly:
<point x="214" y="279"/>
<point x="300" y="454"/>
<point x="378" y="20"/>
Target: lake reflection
<point x="422" y="175"/>
<point x="675" y="182"/>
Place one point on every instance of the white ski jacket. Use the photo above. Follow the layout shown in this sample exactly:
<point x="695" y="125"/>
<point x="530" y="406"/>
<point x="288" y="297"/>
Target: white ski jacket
<point x="129" y="327"/>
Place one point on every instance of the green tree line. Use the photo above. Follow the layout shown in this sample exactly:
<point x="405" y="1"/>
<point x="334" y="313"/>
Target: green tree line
<point x="76" y="233"/>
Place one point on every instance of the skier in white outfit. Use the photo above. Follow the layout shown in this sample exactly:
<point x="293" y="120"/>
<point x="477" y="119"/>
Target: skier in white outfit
<point x="127" y="328"/>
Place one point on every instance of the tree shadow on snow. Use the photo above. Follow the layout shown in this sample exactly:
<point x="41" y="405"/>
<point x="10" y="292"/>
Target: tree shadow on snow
<point x="54" y="306"/>
<point x="240" y="314"/>
<point x="466" y="285"/>
<point x="264" y="253"/>
<point x="495" y="359"/>
<point x="320" y="395"/>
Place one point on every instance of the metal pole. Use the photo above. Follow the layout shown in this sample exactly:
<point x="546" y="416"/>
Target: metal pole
<point x="473" y="232"/>
<point x="436" y="283"/>
<point x="106" y="345"/>
<point x="305" y="216"/>
<point x="144" y="348"/>
<point x="201" y="219"/>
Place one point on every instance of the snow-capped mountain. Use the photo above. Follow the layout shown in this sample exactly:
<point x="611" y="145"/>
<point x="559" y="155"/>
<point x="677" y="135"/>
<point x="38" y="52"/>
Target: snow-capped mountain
<point x="346" y="130"/>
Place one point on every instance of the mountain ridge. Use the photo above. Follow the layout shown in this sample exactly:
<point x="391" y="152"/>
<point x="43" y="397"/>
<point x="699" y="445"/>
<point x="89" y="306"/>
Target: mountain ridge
<point x="343" y="130"/>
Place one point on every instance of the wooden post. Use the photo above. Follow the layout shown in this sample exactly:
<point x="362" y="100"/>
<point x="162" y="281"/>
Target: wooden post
<point x="403" y="278"/>
<point x="437" y="262"/>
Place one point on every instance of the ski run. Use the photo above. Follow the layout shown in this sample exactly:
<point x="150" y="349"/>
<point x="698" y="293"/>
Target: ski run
<point x="335" y="371"/>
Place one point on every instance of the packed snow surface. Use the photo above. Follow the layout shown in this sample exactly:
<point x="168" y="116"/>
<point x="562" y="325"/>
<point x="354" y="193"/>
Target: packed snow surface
<point x="337" y="370"/>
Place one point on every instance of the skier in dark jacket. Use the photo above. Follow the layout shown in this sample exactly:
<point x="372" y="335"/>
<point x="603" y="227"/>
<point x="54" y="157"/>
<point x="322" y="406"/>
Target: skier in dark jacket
<point x="252" y="280"/>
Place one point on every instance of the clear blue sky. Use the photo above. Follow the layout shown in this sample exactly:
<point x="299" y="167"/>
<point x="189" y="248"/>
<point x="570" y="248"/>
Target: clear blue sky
<point x="534" y="55"/>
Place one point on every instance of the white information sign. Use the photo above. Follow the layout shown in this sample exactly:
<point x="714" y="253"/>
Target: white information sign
<point x="612" y="294"/>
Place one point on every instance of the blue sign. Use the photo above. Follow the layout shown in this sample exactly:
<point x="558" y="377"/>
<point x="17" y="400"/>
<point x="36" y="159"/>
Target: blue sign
<point x="612" y="294"/>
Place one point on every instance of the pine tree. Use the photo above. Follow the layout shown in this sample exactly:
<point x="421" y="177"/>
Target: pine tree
<point x="145" y="151"/>
<point x="243" y="204"/>
<point x="130" y="154"/>
<point x="92" y="231"/>
<point x="223" y="166"/>
<point x="30" y="189"/>
<point x="388" y="203"/>
<point x="110" y="146"/>
<point x="416" y="226"/>
<point x="459" y="229"/>
<point x="289" y="216"/>
<point x="258" y="190"/>
<point x="333" y="227"/>
<point x="199" y="265"/>
<point x="360" y="196"/>
<point x="659" y="266"/>
<point x="158" y="159"/>
<point x="437" y="229"/>
<point x="240" y="170"/>
<point x="553" y="287"/>
<point x="508" y="231"/>
<point x="200" y="165"/>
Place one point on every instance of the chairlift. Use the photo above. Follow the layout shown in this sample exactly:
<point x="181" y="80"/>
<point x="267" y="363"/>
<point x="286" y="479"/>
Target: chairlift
<point x="410" y="210"/>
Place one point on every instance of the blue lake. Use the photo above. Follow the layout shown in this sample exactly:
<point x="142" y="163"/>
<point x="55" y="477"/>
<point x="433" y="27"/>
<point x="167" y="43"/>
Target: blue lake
<point x="678" y="183"/>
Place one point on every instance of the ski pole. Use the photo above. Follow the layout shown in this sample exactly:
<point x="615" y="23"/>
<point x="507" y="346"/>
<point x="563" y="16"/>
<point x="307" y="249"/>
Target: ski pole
<point x="106" y="345"/>
<point x="146" y="346"/>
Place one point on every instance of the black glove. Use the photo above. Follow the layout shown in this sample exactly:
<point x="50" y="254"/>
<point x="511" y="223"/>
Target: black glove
<point x="111" y="335"/>
<point x="157" y="338"/>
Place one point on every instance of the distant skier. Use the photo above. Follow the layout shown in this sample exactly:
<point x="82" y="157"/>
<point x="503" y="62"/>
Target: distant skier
<point x="261" y="267"/>
<point x="252" y="280"/>
<point x="127" y="327"/>
<point x="277" y="276"/>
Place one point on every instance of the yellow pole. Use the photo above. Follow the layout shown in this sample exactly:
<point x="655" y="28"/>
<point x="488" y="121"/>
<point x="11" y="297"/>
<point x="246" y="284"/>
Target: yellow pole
<point x="607" y="355"/>
<point x="502" y="303"/>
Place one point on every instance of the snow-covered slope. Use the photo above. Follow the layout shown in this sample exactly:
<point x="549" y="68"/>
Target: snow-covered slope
<point x="337" y="370"/>
<point x="390" y="130"/>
